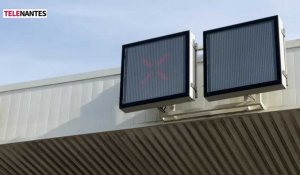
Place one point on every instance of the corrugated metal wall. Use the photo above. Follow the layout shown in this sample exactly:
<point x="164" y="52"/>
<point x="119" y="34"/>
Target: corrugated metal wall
<point x="253" y="144"/>
<point x="65" y="109"/>
<point x="91" y="105"/>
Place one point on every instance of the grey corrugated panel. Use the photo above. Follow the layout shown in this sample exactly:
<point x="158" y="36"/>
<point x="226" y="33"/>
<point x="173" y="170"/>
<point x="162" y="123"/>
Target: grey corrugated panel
<point x="297" y="75"/>
<point x="260" y="144"/>
<point x="156" y="153"/>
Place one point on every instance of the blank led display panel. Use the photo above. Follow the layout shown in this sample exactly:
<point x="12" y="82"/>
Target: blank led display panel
<point x="244" y="59"/>
<point x="156" y="72"/>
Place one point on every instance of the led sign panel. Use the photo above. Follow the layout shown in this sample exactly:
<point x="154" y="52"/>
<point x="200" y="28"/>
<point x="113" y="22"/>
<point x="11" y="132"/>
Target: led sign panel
<point x="244" y="59"/>
<point x="157" y="72"/>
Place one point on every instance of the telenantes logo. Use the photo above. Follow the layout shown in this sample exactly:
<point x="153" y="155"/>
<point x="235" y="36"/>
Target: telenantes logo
<point x="24" y="13"/>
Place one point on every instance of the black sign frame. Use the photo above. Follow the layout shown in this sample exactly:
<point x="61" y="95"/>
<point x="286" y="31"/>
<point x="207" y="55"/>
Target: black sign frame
<point x="144" y="104"/>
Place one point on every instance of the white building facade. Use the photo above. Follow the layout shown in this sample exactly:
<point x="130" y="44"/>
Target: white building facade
<point x="73" y="125"/>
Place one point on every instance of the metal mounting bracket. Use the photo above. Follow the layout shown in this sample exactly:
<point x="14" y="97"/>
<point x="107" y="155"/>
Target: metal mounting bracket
<point x="250" y="103"/>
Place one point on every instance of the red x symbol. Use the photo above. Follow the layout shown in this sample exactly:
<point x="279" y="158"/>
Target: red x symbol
<point x="150" y="66"/>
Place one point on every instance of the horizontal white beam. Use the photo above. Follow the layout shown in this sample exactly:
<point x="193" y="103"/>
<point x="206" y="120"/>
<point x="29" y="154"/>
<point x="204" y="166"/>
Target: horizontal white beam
<point x="60" y="80"/>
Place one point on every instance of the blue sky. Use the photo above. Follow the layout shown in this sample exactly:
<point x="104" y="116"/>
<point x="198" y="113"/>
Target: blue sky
<point x="81" y="36"/>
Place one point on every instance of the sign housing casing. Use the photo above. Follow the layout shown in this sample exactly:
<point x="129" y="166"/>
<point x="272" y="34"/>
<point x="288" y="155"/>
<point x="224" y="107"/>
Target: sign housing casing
<point x="157" y="72"/>
<point x="229" y="53"/>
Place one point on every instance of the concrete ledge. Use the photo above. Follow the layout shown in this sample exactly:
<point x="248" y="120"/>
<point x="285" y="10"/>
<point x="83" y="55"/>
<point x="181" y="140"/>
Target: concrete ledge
<point x="293" y="43"/>
<point x="60" y="80"/>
